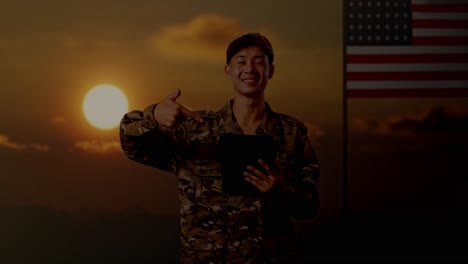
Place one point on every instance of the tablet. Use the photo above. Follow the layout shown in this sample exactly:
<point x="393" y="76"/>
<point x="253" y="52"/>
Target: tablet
<point x="236" y="152"/>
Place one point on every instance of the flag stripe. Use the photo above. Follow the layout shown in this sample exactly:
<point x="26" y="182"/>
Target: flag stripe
<point x="441" y="23"/>
<point x="407" y="67"/>
<point x="432" y="41"/>
<point x="409" y="48"/>
<point x="407" y="84"/>
<point x="463" y="92"/>
<point x="433" y="2"/>
<point x="456" y="8"/>
<point x="351" y="76"/>
<point x="411" y="58"/>
<point x="397" y="50"/>
<point x="444" y="16"/>
<point x="430" y="32"/>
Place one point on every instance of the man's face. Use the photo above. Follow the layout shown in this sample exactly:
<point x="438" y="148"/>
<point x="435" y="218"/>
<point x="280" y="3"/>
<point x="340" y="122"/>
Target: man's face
<point x="249" y="71"/>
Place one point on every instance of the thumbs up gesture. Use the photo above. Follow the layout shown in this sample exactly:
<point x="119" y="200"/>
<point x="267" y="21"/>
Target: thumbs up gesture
<point x="170" y="113"/>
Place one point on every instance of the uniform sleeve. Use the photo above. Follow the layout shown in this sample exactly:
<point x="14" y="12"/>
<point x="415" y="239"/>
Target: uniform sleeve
<point x="145" y="141"/>
<point x="303" y="196"/>
<point x="301" y="200"/>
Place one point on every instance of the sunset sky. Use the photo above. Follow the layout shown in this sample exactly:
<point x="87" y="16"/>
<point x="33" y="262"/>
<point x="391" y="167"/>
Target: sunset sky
<point x="53" y="52"/>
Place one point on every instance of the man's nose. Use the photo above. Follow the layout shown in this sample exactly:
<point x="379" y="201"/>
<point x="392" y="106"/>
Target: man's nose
<point x="250" y="67"/>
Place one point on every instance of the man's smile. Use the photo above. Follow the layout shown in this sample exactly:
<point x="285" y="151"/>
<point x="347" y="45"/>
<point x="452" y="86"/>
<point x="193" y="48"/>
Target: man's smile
<point x="250" y="80"/>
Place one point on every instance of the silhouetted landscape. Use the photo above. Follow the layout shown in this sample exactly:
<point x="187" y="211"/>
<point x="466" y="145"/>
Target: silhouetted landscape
<point x="36" y="234"/>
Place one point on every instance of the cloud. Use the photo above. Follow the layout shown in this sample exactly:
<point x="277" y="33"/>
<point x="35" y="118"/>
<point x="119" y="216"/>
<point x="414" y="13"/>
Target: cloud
<point x="367" y="125"/>
<point x="434" y="120"/>
<point x="94" y="146"/>
<point x="205" y="37"/>
<point x="6" y="143"/>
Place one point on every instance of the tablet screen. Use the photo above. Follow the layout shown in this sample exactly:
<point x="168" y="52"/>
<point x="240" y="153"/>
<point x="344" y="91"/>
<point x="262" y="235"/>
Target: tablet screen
<point x="236" y="152"/>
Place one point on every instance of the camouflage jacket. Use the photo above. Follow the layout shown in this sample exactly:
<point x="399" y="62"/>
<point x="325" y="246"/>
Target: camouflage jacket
<point x="211" y="221"/>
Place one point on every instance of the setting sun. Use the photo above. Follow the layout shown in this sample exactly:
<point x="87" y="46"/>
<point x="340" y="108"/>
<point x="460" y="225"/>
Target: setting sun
<point x="104" y="106"/>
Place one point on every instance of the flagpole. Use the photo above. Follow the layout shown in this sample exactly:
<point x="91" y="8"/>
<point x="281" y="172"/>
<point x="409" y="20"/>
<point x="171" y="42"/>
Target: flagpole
<point x="345" y="118"/>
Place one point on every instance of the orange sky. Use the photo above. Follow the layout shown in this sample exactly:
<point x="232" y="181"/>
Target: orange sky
<point x="53" y="52"/>
<point x="406" y="157"/>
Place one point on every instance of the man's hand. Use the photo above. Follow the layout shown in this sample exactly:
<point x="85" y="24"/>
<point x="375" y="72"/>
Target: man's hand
<point x="169" y="113"/>
<point x="262" y="182"/>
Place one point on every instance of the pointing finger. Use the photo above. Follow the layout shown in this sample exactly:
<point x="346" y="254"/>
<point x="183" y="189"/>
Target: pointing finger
<point x="174" y="95"/>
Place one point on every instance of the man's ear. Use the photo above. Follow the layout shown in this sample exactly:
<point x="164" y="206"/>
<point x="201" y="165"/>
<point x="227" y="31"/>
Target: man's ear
<point x="271" y="71"/>
<point x="227" y="71"/>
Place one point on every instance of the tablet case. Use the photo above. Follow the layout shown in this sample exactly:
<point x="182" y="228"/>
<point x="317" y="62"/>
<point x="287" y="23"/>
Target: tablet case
<point x="236" y="152"/>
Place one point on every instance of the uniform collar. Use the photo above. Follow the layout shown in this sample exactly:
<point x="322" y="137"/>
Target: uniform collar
<point x="270" y="124"/>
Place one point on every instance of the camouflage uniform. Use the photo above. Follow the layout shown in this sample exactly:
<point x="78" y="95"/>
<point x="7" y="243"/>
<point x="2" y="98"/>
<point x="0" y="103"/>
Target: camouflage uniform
<point x="217" y="228"/>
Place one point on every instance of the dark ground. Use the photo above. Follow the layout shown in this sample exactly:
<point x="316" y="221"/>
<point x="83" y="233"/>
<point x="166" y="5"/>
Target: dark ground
<point x="370" y="236"/>
<point x="42" y="235"/>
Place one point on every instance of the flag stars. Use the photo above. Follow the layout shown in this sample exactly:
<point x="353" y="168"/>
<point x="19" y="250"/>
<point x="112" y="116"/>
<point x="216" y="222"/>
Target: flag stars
<point x="378" y="22"/>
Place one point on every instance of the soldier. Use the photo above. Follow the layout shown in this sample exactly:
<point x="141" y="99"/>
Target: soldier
<point x="217" y="227"/>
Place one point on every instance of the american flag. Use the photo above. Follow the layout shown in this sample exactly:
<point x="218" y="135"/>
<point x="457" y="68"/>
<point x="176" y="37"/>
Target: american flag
<point x="406" y="48"/>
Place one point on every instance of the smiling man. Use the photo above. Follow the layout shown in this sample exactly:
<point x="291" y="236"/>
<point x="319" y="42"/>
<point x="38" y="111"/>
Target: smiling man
<point x="217" y="226"/>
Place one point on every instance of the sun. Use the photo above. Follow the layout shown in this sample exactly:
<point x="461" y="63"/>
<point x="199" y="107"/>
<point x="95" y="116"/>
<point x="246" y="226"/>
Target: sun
<point x="104" y="105"/>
